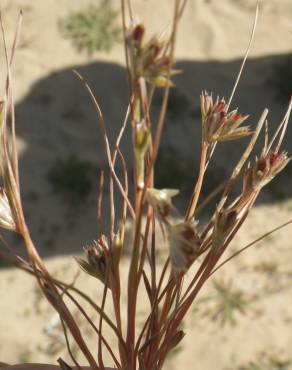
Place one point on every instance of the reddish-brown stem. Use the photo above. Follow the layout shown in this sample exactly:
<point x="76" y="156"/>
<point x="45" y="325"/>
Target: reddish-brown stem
<point x="155" y="303"/>
<point x="195" y="197"/>
<point x="181" y="311"/>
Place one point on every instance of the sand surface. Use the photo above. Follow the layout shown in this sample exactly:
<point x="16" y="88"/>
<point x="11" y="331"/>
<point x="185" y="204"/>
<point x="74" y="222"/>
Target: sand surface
<point x="55" y="121"/>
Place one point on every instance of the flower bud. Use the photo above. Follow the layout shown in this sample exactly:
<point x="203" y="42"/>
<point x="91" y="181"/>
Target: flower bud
<point x="138" y="33"/>
<point x="225" y="220"/>
<point x="142" y="144"/>
<point x="142" y="138"/>
<point x="176" y="339"/>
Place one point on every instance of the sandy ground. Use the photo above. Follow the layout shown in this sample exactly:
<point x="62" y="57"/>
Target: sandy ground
<point x="55" y="120"/>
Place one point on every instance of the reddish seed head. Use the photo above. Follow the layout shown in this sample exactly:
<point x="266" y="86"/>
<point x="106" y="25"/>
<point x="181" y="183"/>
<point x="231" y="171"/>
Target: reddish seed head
<point x="237" y="116"/>
<point x="273" y="158"/>
<point x="155" y="49"/>
<point x="262" y="165"/>
<point x="222" y="114"/>
<point x="221" y="106"/>
<point x="138" y="32"/>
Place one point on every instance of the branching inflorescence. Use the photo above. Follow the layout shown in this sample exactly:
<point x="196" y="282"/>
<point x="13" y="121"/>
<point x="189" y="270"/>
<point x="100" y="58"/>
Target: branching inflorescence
<point x="150" y="66"/>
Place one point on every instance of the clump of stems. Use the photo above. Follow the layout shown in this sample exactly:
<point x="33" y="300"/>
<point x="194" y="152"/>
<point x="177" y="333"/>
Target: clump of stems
<point x="150" y="62"/>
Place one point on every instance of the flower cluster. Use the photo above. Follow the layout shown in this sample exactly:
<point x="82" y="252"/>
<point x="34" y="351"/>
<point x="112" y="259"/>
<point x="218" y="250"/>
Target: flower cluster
<point x="147" y="59"/>
<point x="183" y="237"/>
<point x="254" y="178"/>
<point x="218" y="123"/>
<point x="264" y="170"/>
<point x="97" y="259"/>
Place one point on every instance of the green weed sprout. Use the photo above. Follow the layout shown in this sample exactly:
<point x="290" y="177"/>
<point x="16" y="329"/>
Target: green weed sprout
<point x="228" y="302"/>
<point x="92" y="28"/>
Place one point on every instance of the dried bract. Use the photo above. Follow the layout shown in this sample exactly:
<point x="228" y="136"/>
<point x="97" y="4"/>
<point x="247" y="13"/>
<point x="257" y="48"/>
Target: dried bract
<point x="6" y="217"/>
<point x="160" y="200"/>
<point x="184" y="244"/>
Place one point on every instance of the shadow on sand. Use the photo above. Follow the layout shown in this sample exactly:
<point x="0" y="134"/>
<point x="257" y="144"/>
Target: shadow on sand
<point x="56" y="121"/>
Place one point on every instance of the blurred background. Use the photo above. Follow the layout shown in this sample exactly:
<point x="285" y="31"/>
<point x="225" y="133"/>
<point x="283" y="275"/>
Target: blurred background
<point x="242" y="321"/>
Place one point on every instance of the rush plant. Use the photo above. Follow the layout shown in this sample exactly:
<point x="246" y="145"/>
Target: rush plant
<point x="196" y="248"/>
